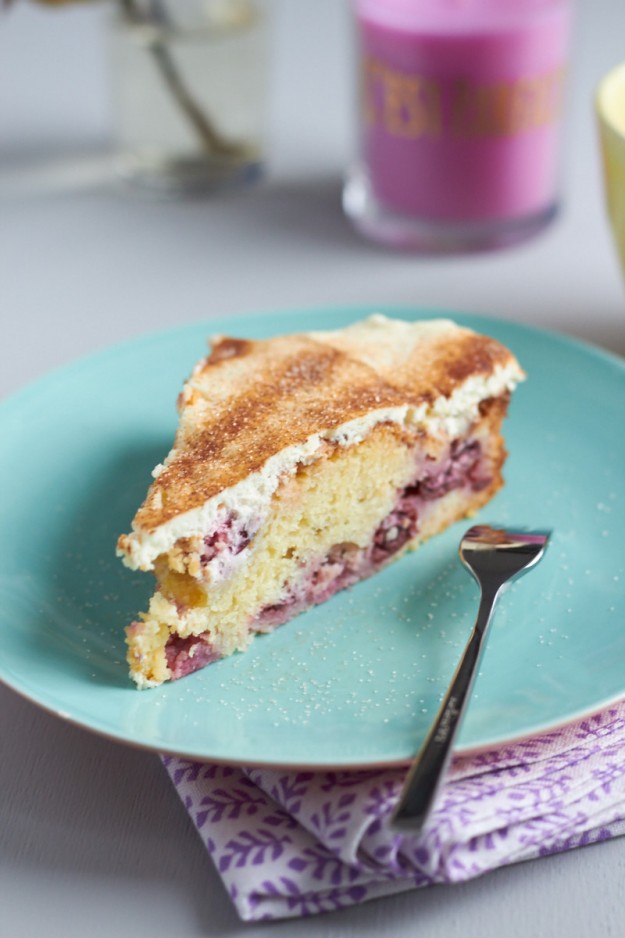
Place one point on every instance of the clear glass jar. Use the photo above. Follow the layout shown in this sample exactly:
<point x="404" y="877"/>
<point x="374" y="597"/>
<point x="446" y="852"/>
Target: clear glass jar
<point x="190" y="92"/>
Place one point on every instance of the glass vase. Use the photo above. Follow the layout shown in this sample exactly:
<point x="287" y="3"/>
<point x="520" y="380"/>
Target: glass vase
<point x="190" y="93"/>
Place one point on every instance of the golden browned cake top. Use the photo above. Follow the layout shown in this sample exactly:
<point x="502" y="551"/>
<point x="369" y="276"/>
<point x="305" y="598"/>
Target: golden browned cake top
<point x="249" y="400"/>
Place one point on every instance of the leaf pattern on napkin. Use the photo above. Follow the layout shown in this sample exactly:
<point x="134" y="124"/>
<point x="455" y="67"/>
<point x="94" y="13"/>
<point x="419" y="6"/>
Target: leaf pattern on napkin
<point x="292" y="844"/>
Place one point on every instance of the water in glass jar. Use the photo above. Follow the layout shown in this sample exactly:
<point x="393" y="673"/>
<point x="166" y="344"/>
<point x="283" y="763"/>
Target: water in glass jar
<point x="190" y="96"/>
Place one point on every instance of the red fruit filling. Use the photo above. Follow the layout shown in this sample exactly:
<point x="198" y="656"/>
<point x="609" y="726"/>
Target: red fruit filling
<point x="230" y="537"/>
<point x="346" y="564"/>
<point x="185" y="655"/>
<point x="460" y="469"/>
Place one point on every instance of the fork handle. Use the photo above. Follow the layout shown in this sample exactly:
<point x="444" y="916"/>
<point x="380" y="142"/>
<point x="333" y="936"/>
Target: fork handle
<point x="427" y="770"/>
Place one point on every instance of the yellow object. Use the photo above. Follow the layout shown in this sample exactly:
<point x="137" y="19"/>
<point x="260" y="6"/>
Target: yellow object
<point x="610" y="107"/>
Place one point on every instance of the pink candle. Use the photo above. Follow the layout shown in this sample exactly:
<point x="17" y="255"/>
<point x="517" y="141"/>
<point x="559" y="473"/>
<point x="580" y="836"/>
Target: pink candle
<point x="460" y="119"/>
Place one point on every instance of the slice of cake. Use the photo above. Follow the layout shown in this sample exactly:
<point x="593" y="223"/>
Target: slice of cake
<point x="303" y="464"/>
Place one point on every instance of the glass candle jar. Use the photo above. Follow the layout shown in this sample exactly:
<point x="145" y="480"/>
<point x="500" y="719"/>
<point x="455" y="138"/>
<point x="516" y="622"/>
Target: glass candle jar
<point x="190" y="92"/>
<point x="460" y="120"/>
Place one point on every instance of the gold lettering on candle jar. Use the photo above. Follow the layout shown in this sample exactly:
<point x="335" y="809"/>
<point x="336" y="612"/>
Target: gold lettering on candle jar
<point x="369" y="91"/>
<point x="505" y="109"/>
<point x="405" y="105"/>
<point x="412" y="106"/>
<point x="480" y="110"/>
<point x="536" y="102"/>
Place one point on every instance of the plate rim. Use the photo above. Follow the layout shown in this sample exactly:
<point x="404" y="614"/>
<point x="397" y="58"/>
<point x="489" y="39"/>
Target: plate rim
<point x="459" y="752"/>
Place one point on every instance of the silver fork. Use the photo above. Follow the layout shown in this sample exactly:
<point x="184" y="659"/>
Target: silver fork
<point x="494" y="557"/>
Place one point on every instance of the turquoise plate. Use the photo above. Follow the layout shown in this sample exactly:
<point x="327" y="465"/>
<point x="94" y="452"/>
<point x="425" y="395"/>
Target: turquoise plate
<point x="357" y="681"/>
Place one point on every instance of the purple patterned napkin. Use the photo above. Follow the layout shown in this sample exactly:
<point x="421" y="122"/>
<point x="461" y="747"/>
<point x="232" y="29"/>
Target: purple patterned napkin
<point x="296" y="843"/>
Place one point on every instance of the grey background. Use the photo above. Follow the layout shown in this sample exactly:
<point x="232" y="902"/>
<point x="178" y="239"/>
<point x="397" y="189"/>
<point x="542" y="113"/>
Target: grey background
<point x="92" y="836"/>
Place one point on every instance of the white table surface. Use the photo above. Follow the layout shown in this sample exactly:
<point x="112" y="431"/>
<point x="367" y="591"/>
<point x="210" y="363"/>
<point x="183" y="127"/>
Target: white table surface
<point x="93" y="838"/>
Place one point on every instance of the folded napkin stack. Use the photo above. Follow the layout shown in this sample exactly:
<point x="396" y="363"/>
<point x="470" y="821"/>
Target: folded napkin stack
<point x="297" y="843"/>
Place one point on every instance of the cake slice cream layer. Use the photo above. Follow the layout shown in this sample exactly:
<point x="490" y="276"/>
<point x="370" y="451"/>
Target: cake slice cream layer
<point x="303" y="464"/>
